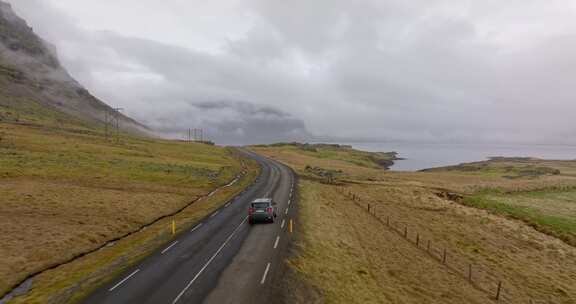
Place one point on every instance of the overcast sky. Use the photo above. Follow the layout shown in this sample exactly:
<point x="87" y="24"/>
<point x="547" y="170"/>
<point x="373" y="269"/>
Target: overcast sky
<point x="271" y="70"/>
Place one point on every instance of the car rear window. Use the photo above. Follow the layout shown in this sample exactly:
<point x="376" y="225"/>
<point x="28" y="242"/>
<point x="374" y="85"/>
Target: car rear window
<point x="260" y="205"/>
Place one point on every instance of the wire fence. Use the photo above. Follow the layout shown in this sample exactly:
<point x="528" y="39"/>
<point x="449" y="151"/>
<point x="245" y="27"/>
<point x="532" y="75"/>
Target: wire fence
<point x="480" y="277"/>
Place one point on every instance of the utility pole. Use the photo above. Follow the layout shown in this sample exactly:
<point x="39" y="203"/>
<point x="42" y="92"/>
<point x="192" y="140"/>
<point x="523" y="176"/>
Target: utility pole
<point x="112" y="121"/>
<point x="117" y="116"/>
<point x="106" y="124"/>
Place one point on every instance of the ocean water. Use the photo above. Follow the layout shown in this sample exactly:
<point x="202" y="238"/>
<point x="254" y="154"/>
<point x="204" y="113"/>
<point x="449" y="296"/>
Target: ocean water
<point x="423" y="156"/>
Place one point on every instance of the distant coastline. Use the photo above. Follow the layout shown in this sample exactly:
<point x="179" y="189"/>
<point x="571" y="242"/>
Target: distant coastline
<point x="417" y="156"/>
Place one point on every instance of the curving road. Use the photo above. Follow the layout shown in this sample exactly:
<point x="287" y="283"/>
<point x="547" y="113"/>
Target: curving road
<point x="222" y="259"/>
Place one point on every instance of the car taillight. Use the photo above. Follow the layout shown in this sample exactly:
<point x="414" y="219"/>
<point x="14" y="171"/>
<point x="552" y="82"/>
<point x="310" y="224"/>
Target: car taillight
<point x="269" y="210"/>
<point x="250" y="210"/>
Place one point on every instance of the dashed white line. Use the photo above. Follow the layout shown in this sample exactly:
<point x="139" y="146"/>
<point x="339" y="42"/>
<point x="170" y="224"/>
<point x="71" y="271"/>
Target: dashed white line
<point x="214" y="214"/>
<point x="168" y="248"/>
<point x="289" y="201"/>
<point x="282" y="225"/>
<point x="209" y="261"/>
<point x="265" y="274"/>
<point x="197" y="226"/>
<point x="287" y="208"/>
<point x="227" y="204"/>
<point x="125" y="279"/>
<point x="276" y="242"/>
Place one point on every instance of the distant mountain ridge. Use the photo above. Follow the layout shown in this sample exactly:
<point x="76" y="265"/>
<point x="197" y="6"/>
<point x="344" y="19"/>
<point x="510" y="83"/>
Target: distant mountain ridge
<point x="32" y="77"/>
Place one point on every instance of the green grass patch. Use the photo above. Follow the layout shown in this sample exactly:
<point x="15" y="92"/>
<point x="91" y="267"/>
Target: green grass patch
<point x="559" y="224"/>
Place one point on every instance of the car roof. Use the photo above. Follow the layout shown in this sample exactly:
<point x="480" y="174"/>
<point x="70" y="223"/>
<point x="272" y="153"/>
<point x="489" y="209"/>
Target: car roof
<point x="262" y="200"/>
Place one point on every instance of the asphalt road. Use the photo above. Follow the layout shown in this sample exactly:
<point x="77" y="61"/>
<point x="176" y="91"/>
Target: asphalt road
<point x="222" y="259"/>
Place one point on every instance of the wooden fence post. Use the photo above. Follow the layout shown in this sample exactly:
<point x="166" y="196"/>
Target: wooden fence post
<point x="470" y="273"/>
<point x="444" y="256"/>
<point x="406" y="232"/>
<point x="417" y="240"/>
<point x="498" y="290"/>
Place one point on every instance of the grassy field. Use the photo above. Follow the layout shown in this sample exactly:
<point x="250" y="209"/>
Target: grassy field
<point x="541" y="193"/>
<point x="334" y="152"/>
<point x="70" y="282"/>
<point x="553" y="212"/>
<point x="66" y="190"/>
<point x="351" y="257"/>
<point x="341" y="162"/>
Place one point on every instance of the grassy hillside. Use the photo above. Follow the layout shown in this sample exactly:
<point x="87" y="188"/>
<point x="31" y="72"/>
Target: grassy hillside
<point x="66" y="190"/>
<point x="349" y="255"/>
<point x="330" y="161"/>
<point x="342" y="153"/>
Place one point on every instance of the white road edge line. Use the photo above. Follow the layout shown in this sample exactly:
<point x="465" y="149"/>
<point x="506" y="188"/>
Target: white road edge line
<point x="265" y="274"/>
<point x="168" y="248"/>
<point x="214" y="214"/>
<point x="209" y="261"/>
<point x="197" y="226"/>
<point x="282" y="225"/>
<point x="276" y="242"/>
<point x="125" y="279"/>
<point x="227" y="204"/>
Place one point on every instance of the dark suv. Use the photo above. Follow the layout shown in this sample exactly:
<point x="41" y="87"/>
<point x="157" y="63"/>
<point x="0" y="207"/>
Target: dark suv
<point x="262" y="210"/>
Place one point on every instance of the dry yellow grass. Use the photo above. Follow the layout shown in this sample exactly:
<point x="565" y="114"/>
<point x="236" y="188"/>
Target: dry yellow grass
<point x="66" y="192"/>
<point x="43" y="222"/>
<point x="339" y="239"/>
<point x="70" y="282"/>
<point x="351" y="258"/>
<point x="299" y="160"/>
<point x="531" y="264"/>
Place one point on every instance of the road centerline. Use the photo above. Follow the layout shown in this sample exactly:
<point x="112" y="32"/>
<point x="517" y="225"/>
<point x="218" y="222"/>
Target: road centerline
<point x="197" y="226"/>
<point x="209" y="261"/>
<point x="124" y="280"/>
<point x="276" y="242"/>
<point x="168" y="248"/>
<point x="265" y="274"/>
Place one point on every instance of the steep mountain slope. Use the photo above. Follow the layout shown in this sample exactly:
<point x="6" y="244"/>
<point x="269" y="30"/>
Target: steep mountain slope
<point x="76" y="202"/>
<point x="35" y="88"/>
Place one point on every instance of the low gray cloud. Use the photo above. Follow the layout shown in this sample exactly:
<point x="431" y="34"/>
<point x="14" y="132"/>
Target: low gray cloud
<point x="233" y="122"/>
<point x="271" y="70"/>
